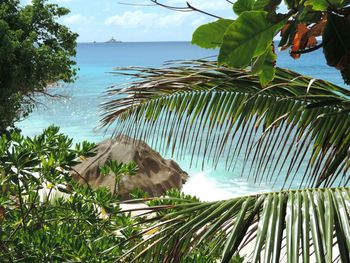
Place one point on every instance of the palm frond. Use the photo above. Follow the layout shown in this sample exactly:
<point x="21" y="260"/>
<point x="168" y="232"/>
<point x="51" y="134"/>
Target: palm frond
<point x="311" y="225"/>
<point x="297" y="126"/>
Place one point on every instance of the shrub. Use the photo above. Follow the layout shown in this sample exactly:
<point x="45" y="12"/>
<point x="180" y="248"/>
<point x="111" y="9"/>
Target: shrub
<point x="44" y="214"/>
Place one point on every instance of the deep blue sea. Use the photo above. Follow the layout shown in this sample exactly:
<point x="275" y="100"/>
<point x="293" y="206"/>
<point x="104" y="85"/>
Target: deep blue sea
<point x="78" y="113"/>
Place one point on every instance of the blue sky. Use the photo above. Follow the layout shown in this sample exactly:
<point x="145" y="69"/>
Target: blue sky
<point x="99" y="20"/>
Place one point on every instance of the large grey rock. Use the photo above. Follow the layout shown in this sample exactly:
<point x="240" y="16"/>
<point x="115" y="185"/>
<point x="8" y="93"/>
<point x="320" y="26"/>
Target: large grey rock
<point x="155" y="174"/>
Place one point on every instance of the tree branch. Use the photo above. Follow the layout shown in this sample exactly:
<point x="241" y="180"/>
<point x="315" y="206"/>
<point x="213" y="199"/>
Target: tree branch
<point x="187" y="8"/>
<point x="122" y="3"/>
<point x="309" y="50"/>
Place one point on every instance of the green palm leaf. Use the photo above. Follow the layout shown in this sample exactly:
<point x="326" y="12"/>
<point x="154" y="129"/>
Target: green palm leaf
<point x="288" y="226"/>
<point x="295" y="126"/>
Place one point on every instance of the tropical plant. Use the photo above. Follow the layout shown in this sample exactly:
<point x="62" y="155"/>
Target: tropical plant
<point x="118" y="170"/>
<point x="294" y="130"/>
<point x="279" y="125"/>
<point x="304" y="27"/>
<point x="35" y="51"/>
<point x="290" y="226"/>
<point x="45" y="215"/>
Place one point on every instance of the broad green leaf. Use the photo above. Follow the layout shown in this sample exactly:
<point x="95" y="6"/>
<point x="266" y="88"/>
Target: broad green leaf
<point x="211" y="35"/>
<point x="247" y="37"/>
<point x="322" y="5"/>
<point x="243" y="5"/>
<point x="318" y="5"/>
<point x="264" y="66"/>
<point x="266" y="5"/>
<point x="258" y="5"/>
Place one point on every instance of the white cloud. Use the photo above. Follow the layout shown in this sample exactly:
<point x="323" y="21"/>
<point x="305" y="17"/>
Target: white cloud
<point x="206" y="5"/>
<point x="140" y="19"/>
<point x="76" y="19"/>
<point x="200" y="21"/>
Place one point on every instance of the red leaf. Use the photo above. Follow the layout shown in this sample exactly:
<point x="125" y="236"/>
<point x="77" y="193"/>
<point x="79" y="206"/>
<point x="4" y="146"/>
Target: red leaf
<point x="297" y="42"/>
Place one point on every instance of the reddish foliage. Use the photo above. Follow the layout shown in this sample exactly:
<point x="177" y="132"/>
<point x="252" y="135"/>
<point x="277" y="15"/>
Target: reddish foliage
<point x="302" y="39"/>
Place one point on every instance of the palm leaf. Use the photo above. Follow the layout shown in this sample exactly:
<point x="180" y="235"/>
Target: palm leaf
<point x="297" y="126"/>
<point x="288" y="226"/>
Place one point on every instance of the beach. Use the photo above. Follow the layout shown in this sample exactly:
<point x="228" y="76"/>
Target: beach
<point x="78" y="113"/>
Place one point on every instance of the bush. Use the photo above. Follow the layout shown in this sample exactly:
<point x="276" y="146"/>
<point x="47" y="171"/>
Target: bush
<point x="45" y="215"/>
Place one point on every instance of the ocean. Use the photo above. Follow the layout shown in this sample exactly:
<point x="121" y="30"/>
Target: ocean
<point x="77" y="112"/>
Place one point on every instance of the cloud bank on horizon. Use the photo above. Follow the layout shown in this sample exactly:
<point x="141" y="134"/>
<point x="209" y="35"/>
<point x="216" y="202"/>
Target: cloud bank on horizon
<point x="137" y="20"/>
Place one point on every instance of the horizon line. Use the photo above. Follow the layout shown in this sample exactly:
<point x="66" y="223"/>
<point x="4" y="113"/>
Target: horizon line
<point x="141" y="41"/>
<point x="121" y="42"/>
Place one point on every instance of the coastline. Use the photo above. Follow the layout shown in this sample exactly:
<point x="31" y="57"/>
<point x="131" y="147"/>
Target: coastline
<point x="78" y="114"/>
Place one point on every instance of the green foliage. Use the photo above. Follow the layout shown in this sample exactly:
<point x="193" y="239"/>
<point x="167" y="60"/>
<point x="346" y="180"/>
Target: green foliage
<point x="45" y="215"/>
<point x="35" y="51"/>
<point x="241" y="6"/>
<point x="264" y="66"/>
<point x="172" y="197"/>
<point x="118" y="170"/>
<point x="138" y="194"/>
<point x="226" y="224"/>
<point x="279" y="130"/>
<point x="322" y="5"/>
<point x="248" y="38"/>
<point x="295" y="125"/>
<point x="211" y="35"/>
<point x="305" y="224"/>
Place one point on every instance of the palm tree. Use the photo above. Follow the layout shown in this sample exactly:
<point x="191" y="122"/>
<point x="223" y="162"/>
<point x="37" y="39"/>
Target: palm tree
<point x="295" y="130"/>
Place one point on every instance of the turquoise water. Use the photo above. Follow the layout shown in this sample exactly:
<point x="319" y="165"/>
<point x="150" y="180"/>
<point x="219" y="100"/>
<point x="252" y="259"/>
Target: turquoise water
<point x="78" y="115"/>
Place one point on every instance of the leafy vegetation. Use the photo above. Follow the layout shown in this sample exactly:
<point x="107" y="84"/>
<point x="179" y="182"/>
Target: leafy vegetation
<point x="293" y="130"/>
<point x="35" y="51"/>
<point x="118" y="170"/>
<point x="279" y="124"/>
<point x="45" y="215"/>
<point x="226" y="115"/>
<point x="304" y="225"/>
<point x="246" y="40"/>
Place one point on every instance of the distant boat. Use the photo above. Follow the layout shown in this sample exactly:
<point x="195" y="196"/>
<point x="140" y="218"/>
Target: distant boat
<point x="113" y="40"/>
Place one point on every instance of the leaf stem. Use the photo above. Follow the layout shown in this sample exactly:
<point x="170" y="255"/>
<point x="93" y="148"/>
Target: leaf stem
<point x="309" y="50"/>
